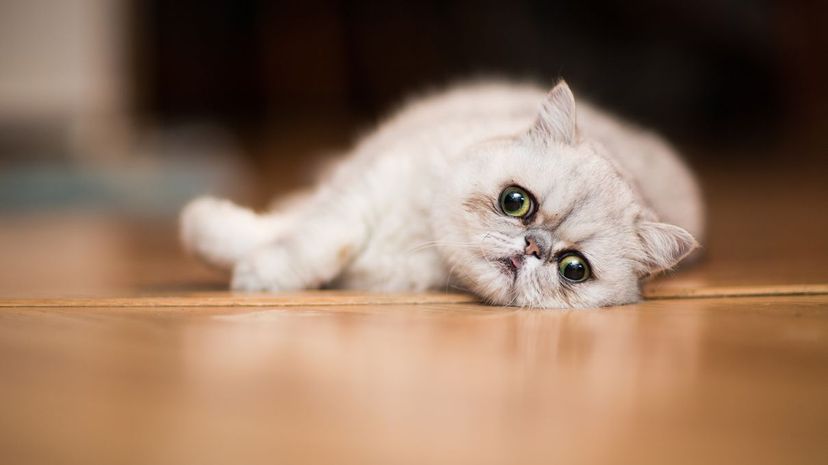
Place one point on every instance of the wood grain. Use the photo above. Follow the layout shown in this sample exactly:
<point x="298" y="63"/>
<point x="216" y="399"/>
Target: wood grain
<point x="345" y="298"/>
<point x="230" y="299"/>
<point x="670" y="381"/>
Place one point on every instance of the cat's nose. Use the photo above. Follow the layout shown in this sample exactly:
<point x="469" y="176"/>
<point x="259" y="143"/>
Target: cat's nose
<point x="532" y="247"/>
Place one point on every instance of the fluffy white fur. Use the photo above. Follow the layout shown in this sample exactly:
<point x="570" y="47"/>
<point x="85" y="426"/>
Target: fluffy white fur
<point x="415" y="206"/>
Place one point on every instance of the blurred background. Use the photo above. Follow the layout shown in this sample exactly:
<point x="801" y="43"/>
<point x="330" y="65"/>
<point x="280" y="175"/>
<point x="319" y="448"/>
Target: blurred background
<point x="113" y="113"/>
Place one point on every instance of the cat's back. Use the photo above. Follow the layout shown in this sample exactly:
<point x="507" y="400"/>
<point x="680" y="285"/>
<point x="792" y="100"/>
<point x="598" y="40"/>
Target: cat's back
<point x="457" y="116"/>
<point x="481" y="99"/>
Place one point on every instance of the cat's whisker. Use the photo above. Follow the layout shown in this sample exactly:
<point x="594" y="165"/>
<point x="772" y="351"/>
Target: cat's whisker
<point x="460" y="288"/>
<point x="428" y="245"/>
<point x="514" y="298"/>
<point x="537" y="287"/>
<point x="450" y="273"/>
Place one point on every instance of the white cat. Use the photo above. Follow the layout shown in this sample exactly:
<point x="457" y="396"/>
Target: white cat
<point x="496" y="188"/>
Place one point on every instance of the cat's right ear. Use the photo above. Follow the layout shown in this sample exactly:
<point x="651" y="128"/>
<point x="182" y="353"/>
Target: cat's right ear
<point x="663" y="246"/>
<point x="556" y="121"/>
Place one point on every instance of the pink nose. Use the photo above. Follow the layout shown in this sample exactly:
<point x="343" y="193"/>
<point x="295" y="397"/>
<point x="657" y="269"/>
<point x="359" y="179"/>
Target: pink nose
<point x="532" y="247"/>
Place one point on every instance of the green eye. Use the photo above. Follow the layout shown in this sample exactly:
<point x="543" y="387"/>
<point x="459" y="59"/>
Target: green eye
<point x="515" y="201"/>
<point x="574" y="267"/>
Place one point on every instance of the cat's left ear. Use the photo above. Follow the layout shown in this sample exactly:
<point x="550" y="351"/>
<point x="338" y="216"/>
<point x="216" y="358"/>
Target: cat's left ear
<point x="556" y="121"/>
<point x="663" y="245"/>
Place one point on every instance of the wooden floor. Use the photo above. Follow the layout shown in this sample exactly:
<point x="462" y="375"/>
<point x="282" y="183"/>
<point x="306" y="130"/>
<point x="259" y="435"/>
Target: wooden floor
<point x="114" y="349"/>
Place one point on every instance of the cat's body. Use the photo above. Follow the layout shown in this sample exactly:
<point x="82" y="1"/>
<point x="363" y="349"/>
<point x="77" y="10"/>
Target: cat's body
<point x="415" y="206"/>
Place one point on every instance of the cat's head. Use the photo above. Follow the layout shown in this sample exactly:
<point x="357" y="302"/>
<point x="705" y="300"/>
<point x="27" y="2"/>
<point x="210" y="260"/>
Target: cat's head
<point x="545" y="219"/>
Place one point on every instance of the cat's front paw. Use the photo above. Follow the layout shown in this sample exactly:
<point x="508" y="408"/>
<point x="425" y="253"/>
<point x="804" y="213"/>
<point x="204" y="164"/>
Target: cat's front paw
<point x="269" y="270"/>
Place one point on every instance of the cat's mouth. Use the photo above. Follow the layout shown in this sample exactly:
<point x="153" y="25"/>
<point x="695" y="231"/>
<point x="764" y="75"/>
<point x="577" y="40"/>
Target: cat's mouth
<point x="511" y="265"/>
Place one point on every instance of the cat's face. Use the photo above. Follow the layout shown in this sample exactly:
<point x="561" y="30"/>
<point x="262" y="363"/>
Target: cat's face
<point x="544" y="220"/>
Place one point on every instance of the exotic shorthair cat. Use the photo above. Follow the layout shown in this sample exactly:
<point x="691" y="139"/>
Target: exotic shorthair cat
<point x="519" y="196"/>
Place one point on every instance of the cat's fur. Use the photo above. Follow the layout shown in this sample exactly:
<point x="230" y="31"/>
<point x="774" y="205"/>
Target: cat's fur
<point x="415" y="206"/>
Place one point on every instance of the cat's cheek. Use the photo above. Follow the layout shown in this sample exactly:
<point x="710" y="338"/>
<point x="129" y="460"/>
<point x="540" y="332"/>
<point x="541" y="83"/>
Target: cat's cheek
<point x="494" y="286"/>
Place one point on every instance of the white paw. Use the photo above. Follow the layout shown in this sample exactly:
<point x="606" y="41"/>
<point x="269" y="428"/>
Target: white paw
<point x="269" y="269"/>
<point x="220" y="231"/>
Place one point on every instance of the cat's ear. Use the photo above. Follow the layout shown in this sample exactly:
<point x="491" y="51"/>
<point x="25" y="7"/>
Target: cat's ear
<point x="664" y="245"/>
<point x="556" y="120"/>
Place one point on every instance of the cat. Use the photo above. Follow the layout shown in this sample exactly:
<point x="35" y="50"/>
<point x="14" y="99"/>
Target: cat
<point x="496" y="188"/>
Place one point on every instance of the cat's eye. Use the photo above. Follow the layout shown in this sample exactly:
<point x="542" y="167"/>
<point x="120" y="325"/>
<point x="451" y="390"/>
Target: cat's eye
<point x="574" y="267"/>
<point x="516" y="202"/>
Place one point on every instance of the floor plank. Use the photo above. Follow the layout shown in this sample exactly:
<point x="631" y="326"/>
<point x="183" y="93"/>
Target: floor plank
<point x="343" y="298"/>
<point x="231" y="299"/>
<point x="668" y="381"/>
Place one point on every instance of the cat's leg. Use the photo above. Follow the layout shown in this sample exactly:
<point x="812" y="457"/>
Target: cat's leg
<point x="221" y="232"/>
<point x="311" y="253"/>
